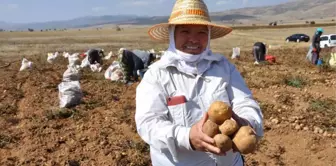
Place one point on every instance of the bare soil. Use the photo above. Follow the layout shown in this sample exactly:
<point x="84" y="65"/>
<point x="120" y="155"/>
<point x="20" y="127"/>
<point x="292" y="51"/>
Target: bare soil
<point x="295" y="97"/>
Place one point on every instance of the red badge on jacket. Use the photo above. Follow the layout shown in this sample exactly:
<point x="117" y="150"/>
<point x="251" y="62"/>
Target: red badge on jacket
<point x="176" y="100"/>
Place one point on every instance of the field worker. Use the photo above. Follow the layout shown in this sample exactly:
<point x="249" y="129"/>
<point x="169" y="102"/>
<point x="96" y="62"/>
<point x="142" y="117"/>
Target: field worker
<point x="316" y="45"/>
<point x="146" y="57"/>
<point x="259" y="52"/>
<point x="132" y="64"/>
<point x="173" y="97"/>
<point x="95" y="56"/>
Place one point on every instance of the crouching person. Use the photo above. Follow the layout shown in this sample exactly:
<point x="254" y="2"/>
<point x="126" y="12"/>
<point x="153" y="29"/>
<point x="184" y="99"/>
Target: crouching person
<point x="259" y="51"/>
<point x="95" y="56"/>
<point x="132" y="65"/>
<point x="148" y="61"/>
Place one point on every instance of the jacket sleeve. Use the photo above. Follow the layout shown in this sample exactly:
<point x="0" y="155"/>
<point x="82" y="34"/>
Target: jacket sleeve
<point x="152" y="122"/>
<point x="242" y="101"/>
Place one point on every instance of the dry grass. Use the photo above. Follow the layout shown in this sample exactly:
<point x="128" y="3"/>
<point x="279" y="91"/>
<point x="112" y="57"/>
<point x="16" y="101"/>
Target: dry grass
<point x="18" y="44"/>
<point x="295" y="25"/>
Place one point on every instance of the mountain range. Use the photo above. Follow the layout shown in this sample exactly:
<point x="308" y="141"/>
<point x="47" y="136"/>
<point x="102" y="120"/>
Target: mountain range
<point x="293" y="10"/>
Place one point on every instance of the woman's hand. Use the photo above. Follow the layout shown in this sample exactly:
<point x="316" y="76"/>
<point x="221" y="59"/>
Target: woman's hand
<point x="200" y="141"/>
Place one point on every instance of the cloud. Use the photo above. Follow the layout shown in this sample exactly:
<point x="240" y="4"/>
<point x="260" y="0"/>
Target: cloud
<point x="9" y="7"/>
<point x="144" y="6"/>
<point x="99" y="9"/>
<point x="140" y="3"/>
<point x="12" y="6"/>
<point x="223" y="2"/>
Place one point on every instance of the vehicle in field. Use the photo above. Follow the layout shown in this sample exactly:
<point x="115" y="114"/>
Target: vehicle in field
<point x="298" y="38"/>
<point x="328" y="41"/>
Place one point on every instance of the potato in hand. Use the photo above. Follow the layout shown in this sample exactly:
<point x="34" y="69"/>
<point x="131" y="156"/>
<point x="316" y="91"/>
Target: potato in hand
<point x="210" y="128"/>
<point x="219" y="112"/>
<point x="223" y="142"/>
<point x="245" y="140"/>
<point x="229" y="127"/>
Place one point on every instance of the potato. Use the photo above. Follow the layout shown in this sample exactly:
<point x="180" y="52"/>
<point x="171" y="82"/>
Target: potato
<point x="244" y="141"/>
<point x="228" y="127"/>
<point x="210" y="128"/>
<point x="219" y="112"/>
<point x="223" y="142"/>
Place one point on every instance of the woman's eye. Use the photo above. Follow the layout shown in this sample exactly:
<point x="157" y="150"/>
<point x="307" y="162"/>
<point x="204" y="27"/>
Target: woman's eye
<point x="203" y="32"/>
<point x="184" y="31"/>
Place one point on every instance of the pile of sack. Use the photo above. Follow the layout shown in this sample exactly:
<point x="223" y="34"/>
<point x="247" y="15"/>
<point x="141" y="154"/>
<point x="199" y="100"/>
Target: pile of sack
<point x="114" y="72"/>
<point x="70" y="93"/>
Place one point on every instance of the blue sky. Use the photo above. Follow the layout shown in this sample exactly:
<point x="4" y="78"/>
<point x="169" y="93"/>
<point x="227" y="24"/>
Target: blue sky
<point x="24" y="11"/>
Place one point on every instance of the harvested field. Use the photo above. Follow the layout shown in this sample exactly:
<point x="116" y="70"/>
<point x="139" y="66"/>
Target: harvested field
<point x="298" y="101"/>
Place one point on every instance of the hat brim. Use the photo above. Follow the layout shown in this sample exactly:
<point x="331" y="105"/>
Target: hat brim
<point x="160" y="32"/>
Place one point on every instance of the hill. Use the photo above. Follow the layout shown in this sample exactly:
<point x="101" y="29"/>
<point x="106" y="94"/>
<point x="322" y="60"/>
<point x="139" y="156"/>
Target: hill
<point x="286" y="13"/>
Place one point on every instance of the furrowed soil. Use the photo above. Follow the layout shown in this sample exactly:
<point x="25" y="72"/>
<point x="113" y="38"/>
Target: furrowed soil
<point x="298" y="101"/>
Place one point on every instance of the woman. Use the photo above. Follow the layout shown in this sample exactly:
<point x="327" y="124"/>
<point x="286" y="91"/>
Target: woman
<point x="175" y="93"/>
<point x="316" y="48"/>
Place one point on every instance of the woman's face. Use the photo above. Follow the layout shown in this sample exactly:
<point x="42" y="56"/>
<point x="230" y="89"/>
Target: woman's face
<point x="191" y="39"/>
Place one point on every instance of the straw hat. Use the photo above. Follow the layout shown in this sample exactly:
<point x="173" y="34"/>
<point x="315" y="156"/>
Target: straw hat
<point x="188" y="12"/>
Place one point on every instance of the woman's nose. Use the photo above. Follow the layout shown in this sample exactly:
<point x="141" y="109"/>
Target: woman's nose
<point x="193" y="38"/>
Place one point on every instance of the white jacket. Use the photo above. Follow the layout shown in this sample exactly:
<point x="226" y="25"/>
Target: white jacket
<point x="166" y="128"/>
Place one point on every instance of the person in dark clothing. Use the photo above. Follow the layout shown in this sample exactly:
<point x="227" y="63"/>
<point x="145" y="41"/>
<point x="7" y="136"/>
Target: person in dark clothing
<point x="151" y="59"/>
<point x="259" y="51"/>
<point x="316" y="45"/>
<point x="131" y="64"/>
<point x="95" y="56"/>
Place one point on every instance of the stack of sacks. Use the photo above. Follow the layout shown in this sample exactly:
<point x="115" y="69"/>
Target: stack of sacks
<point x="70" y="93"/>
<point x="114" y="72"/>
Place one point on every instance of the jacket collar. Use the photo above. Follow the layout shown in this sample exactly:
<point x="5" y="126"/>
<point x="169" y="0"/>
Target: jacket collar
<point x="164" y="63"/>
